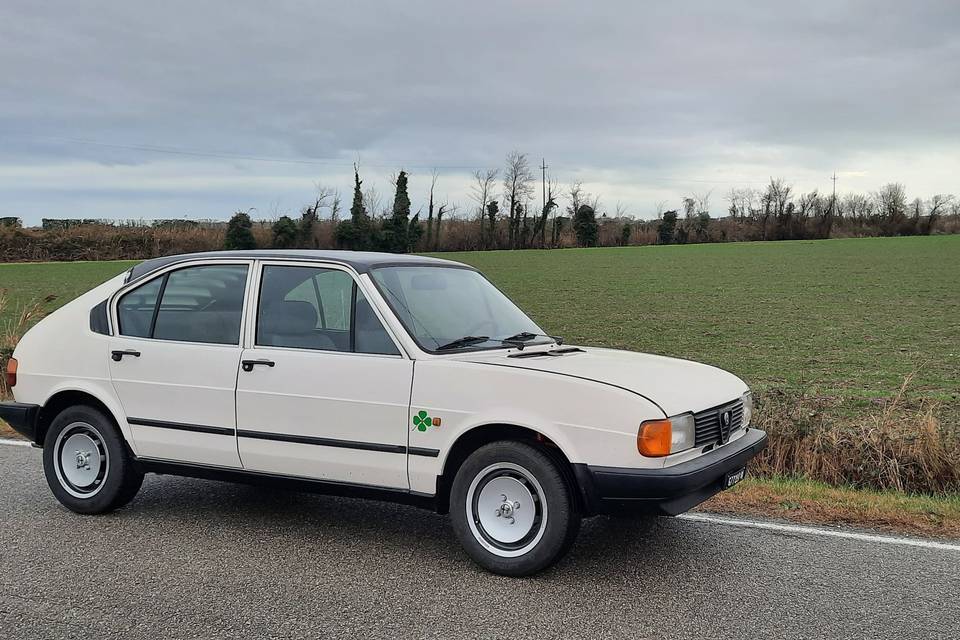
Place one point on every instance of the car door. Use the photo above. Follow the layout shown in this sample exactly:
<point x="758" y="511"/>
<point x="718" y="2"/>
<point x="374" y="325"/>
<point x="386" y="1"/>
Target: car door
<point x="174" y="358"/>
<point x="324" y="390"/>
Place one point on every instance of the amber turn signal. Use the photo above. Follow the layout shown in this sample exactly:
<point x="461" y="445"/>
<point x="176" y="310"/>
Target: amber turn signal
<point x="11" y="373"/>
<point x="654" y="437"/>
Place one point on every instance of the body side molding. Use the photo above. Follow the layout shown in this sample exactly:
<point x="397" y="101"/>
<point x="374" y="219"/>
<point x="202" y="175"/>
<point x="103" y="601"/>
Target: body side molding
<point x="282" y="437"/>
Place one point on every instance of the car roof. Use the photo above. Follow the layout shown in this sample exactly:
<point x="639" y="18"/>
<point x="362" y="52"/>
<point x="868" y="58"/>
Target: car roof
<point x="360" y="261"/>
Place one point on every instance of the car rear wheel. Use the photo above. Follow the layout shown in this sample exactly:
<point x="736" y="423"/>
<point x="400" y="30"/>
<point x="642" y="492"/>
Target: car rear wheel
<point x="87" y="464"/>
<point x="512" y="509"/>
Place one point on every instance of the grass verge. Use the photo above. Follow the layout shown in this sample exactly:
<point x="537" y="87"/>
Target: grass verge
<point x="809" y="502"/>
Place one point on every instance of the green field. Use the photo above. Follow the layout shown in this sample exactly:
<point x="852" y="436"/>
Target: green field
<point x="846" y="319"/>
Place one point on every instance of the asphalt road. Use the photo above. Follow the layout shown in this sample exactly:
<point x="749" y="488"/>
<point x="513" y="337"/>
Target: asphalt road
<point x="197" y="559"/>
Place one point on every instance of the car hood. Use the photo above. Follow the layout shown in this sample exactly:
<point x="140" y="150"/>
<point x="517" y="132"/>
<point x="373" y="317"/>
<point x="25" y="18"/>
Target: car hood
<point x="676" y="386"/>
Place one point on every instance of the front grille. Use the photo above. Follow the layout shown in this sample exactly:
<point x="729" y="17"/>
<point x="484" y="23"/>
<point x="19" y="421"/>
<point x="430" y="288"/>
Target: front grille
<point x="709" y="425"/>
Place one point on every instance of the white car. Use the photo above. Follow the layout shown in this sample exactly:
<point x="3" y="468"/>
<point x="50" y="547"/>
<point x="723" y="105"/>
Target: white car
<point x="374" y="375"/>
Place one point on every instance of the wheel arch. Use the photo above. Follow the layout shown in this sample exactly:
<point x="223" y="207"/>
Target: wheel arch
<point x="72" y="396"/>
<point x="477" y="436"/>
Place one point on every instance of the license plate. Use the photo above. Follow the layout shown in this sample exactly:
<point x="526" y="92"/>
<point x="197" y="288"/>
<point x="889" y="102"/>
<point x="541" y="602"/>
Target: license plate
<point x="734" y="477"/>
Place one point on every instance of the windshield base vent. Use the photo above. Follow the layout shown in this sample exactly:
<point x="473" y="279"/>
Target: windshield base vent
<point x="551" y="352"/>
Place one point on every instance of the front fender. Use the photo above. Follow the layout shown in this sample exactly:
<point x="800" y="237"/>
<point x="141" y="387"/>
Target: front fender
<point x="591" y="423"/>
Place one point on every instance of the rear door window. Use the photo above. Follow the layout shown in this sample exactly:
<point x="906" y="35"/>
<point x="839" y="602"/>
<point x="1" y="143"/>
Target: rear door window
<point x="196" y="304"/>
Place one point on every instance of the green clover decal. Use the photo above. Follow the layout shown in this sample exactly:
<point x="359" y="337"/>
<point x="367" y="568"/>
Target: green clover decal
<point x="421" y="421"/>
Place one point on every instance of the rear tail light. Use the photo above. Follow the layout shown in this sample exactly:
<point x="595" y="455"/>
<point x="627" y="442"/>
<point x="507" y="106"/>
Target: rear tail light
<point x="11" y="373"/>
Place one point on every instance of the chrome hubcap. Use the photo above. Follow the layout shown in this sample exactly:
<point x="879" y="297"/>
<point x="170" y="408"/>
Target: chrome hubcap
<point x="506" y="510"/>
<point x="81" y="460"/>
<point x="500" y="506"/>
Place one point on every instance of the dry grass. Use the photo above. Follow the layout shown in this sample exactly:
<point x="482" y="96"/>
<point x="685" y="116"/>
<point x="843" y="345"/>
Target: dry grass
<point x="810" y="502"/>
<point x="106" y="242"/>
<point x="7" y="432"/>
<point x="12" y="330"/>
<point x="897" y="447"/>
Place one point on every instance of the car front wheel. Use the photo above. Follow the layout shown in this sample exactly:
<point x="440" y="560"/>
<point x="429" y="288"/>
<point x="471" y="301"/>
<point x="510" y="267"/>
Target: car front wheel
<point x="87" y="464"/>
<point x="512" y="509"/>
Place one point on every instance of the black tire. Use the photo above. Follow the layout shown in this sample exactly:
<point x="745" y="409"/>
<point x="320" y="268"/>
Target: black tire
<point x="108" y="481"/>
<point x="538" y="480"/>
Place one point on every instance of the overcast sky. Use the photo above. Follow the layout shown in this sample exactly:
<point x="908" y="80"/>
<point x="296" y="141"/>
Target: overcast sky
<point x="197" y="109"/>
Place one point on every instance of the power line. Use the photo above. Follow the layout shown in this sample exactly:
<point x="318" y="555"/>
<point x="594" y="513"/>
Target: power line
<point x="336" y="163"/>
<point x="234" y="156"/>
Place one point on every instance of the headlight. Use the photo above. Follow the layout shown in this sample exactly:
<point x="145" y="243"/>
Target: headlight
<point x="657" y="438"/>
<point x="684" y="432"/>
<point x="747" y="409"/>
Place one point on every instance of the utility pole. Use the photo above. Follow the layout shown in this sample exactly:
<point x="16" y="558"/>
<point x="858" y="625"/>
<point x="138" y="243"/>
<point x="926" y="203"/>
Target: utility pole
<point x="833" y="202"/>
<point x="543" y="180"/>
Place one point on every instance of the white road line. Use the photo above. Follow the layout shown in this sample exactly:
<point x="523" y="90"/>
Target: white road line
<point x="817" y="531"/>
<point x="14" y="443"/>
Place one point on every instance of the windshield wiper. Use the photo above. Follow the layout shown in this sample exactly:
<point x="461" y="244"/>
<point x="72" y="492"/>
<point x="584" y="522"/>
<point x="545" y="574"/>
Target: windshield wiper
<point x="465" y="341"/>
<point x="518" y="339"/>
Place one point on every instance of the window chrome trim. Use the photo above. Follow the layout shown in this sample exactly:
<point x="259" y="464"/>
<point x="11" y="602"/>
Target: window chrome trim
<point x="252" y="307"/>
<point x="162" y="273"/>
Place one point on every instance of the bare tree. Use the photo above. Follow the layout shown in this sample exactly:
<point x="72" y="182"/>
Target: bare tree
<point x="517" y="189"/>
<point x="481" y="192"/>
<point x="773" y="201"/>
<point x="856" y="206"/>
<point x="433" y="185"/>
<point x="373" y="202"/>
<point x="917" y="207"/>
<point x="576" y="196"/>
<point x="937" y="204"/>
<point x="661" y="208"/>
<point x="742" y="202"/>
<point x="335" y="205"/>
<point x="594" y="202"/>
<point x="892" y="207"/>
<point x="702" y="200"/>
<point x="696" y="209"/>
<point x="311" y="213"/>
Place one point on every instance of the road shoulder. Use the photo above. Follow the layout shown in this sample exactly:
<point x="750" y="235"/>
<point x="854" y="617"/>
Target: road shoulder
<point x="806" y="502"/>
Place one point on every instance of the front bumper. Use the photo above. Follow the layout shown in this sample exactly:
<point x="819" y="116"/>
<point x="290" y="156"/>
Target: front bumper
<point x="668" y="490"/>
<point x="22" y="417"/>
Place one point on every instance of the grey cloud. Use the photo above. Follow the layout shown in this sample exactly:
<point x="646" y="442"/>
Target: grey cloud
<point x="634" y="90"/>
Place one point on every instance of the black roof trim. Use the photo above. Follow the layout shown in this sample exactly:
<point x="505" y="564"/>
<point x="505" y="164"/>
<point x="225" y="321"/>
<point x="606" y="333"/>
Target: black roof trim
<point x="359" y="261"/>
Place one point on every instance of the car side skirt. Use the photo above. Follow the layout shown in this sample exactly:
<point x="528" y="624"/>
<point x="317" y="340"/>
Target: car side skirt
<point x="293" y="483"/>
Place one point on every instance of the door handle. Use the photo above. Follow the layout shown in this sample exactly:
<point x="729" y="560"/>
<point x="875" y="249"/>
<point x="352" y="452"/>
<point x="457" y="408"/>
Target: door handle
<point x="117" y="356"/>
<point x="248" y="365"/>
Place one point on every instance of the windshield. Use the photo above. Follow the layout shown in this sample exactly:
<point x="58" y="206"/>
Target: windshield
<point x="442" y="305"/>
